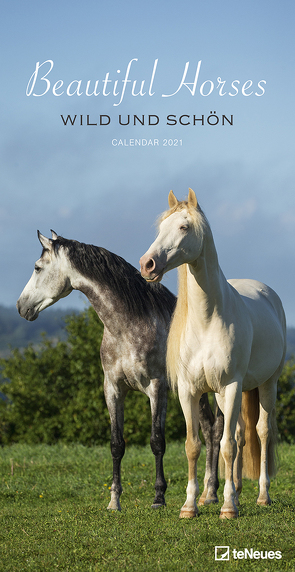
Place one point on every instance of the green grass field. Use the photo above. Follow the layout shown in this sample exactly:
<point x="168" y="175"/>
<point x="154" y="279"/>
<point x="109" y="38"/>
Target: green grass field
<point x="54" y="517"/>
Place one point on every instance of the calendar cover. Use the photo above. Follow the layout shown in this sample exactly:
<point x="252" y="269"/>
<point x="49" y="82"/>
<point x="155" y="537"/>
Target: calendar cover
<point x="105" y="108"/>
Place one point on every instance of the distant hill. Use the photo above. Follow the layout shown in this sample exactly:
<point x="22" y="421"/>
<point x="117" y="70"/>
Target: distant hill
<point x="15" y="332"/>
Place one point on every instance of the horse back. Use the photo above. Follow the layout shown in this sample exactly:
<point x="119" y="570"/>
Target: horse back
<point x="261" y="301"/>
<point x="268" y="323"/>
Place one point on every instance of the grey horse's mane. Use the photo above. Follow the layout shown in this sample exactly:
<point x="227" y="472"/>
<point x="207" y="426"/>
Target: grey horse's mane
<point x="139" y="297"/>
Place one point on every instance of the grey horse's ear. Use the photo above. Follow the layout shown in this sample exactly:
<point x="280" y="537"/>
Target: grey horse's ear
<point x="172" y="200"/>
<point x="53" y="235"/>
<point x="192" y="199"/>
<point x="46" y="242"/>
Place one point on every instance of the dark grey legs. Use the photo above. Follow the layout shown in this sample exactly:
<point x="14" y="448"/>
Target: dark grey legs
<point x="212" y="429"/>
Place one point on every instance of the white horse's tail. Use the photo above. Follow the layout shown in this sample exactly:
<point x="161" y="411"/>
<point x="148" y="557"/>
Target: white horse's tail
<point x="251" y="450"/>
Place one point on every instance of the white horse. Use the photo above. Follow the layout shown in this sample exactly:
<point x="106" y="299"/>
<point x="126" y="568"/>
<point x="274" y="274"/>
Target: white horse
<point x="227" y="337"/>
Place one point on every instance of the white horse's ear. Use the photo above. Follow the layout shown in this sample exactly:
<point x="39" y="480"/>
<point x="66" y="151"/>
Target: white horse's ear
<point x="53" y="235"/>
<point x="172" y="200"/>
<point x="46" y="242"/>
<point x="192" y="199"/>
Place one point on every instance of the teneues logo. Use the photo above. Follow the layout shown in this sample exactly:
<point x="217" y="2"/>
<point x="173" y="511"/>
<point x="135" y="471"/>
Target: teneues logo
<point x="222" y="553"/>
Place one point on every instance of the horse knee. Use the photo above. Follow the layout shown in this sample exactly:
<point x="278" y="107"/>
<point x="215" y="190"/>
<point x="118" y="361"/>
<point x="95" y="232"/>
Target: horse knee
<point x="228" y="448"/>
<point x="193" y="448"/>
<point x="118" y="449"/>
<point x="158" y="444"/>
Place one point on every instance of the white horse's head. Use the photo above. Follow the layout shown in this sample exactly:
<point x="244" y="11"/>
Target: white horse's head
<point x="48" y="283"/>
<point x="180" y="238"/>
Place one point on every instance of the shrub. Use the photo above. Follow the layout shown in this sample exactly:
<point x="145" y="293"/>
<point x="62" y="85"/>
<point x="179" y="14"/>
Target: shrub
<point x="286" y="403"/>
<point x="56" y="393"/>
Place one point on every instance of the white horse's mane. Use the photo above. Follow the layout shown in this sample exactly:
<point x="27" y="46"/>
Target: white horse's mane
<point x="179" y="319"/>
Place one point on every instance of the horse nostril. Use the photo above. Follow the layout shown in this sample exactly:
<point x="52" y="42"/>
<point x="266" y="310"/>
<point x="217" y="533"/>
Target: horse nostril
<point x="150" y="265"/>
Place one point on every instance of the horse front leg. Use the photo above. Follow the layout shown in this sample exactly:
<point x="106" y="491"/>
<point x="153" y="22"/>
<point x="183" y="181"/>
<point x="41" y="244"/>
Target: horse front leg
<point x="263" y="432"/>
<point x="115" y="404"/>
<point x="190" y="408"/>
<point x="228" y="446"/>
<point x="158" y="401"/>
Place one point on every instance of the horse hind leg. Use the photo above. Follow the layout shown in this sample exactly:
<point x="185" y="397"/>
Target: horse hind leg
<point x="158" y="401"/>
<point x="212" y="429"/>
<point x="206" y="423"/>
<point x="267" y="432"/>
<point x="213" y="483"/>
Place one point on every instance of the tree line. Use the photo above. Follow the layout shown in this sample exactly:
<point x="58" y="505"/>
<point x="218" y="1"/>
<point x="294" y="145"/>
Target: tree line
<point x="55" y="393"/>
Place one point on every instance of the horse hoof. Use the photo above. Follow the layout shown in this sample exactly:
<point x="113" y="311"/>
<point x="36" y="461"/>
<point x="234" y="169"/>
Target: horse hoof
<point x="186" y="513"/>
<point x="264" y="502"/>
<point x="212" y="500"/>
<point x="114" y="506"/>
<point x="202" y="500"/>
<point x="228" y="513"/>
<point x="206" y="502"/>
<point x="158" y="505"/>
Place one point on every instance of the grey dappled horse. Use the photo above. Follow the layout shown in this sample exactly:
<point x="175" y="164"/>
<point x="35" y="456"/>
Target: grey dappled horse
<point x="136" y="317"/>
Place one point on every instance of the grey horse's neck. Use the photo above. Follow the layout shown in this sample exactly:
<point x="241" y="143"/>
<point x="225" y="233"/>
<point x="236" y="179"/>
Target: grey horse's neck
<point x="114" y="287"/>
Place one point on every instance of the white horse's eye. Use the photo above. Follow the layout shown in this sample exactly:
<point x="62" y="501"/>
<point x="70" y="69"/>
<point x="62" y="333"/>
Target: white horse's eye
<point x="184" y="227"/>
<point x="37" y="268"/>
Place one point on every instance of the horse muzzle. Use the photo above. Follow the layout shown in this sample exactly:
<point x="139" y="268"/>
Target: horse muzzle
<point x="150" y="269"/>
<point x="29" y="314"/>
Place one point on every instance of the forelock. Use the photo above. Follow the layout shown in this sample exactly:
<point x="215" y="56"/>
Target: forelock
<point x="197" y="214"/>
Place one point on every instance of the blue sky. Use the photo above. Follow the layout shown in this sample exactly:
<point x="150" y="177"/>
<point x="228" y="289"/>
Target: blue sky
<point x="72" y="179"/>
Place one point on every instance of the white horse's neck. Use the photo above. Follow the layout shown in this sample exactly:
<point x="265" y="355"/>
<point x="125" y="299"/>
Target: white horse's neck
<point x="206" y="284"/>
